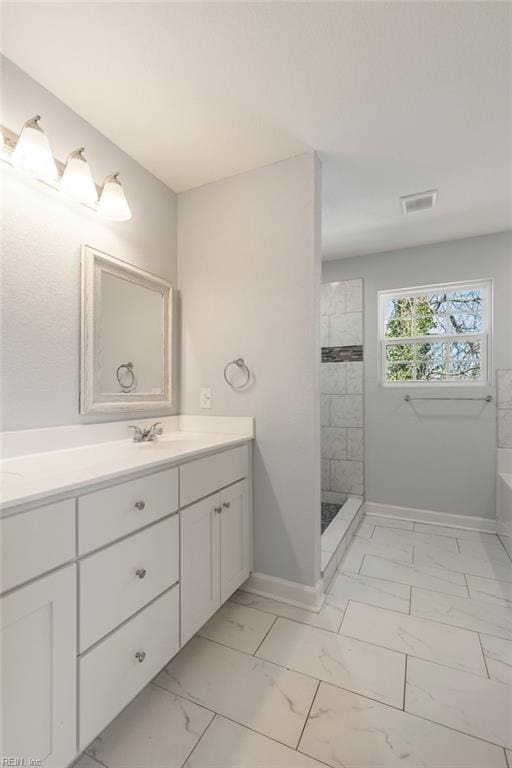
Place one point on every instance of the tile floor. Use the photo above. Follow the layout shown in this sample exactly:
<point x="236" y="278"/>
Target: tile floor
<point x="409" y="663"/>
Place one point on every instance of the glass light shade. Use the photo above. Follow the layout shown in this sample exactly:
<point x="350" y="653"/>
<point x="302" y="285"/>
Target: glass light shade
<point x="77" y="181"/>
<point x="32" y="153"/>
<point x="113" y="204"/>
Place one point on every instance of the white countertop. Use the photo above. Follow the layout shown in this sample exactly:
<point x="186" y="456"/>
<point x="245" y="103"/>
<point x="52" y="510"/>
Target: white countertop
<point x="37" y="476"/>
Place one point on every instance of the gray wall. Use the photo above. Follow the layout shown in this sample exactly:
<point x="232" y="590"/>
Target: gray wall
<point x="41" y="238"/>
<point x="434" y="456"/>
<point x="249" y="273"/>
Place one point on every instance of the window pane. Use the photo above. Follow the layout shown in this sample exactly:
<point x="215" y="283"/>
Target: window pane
<point x="433" y="352"/>
<point x="398" y="316"/>
<point x="462" y="322"/>
<point x="468" y="301"/>
<point x="464" y="360"/>
<point x="430" y="316"/>
<point x="399" y="352"/>
<point x="400" y="372"/>
<point x="430" y="371"/>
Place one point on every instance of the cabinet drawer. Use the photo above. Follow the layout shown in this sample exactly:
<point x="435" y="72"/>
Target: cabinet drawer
<point x="204" y="476"/>
<point x="106" y="515"/>
<point x="111" y="590"/>
<point x="36" y="541"/>
<point x="110" y="675"/>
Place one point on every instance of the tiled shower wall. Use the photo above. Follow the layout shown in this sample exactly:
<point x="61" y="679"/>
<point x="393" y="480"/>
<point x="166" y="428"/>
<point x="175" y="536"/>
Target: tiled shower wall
<point x="342" y="391"/>
<point x="505" y="409"/>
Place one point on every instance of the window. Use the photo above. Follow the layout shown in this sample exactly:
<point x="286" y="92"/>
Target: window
<point x="436" y="334"/>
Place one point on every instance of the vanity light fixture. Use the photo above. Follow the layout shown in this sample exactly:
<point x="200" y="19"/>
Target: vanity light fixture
<point x="32" y="153"/>
<point x="113" y="204"/>
<point x="77" y="181"/>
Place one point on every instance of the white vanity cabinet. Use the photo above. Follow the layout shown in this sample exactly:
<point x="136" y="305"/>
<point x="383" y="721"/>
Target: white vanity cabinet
<point x="215" y="555"/>
<point x="38" y="680"/>
<point x="100" y="589"/>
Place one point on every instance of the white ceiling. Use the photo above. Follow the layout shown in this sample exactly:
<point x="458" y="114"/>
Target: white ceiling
<point x="395" y="97"/>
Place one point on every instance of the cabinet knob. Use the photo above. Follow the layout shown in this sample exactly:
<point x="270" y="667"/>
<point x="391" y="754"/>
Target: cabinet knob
<point x="140" y="504"/>
<point x="226" y="504"/>
<point x="140" y="572"/>
<point x="218" y="510"/>
<point x="140" y="656"/>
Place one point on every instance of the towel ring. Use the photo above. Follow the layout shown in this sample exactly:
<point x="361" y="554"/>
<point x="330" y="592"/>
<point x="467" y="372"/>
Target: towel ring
<point x="240" y="364"/>
<point x="128" y="367"/>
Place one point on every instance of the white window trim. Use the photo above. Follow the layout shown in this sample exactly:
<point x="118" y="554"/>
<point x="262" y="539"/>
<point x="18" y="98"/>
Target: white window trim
<point x="485" y="337"/>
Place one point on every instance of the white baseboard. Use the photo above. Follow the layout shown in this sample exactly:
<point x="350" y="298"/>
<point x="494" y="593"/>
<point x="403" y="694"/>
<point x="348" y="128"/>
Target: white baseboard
<point x="290" y="592"/>
<point x="482" y="524"/>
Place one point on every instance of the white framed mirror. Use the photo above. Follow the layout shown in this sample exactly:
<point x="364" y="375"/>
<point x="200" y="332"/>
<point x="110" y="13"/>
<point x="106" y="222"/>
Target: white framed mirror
<point x="126" y="336"/>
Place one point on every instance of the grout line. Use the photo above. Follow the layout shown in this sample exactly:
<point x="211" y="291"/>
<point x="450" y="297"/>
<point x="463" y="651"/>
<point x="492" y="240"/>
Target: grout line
<point x="198" y="741"/>
<point x="483" y="655"/>
<point x="265" y="636"/>
<point x="405" y="680"/>
<point x="307" y="715"/>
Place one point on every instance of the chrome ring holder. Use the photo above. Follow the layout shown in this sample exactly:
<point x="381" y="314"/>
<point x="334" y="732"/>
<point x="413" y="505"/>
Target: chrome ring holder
<point x="128" y="367"/>
<point x="240" y="364"/>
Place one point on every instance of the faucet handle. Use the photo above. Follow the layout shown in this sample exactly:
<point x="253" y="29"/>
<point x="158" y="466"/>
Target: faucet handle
<point x="137" y="434"/>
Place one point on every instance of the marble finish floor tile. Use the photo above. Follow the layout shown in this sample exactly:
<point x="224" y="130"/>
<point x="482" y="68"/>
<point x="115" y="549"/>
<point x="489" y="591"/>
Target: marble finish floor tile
<point x="366" y="529"/>
<point x="157" y="729"/>
<point x="378" y="592"/>
<point x="265" y="697"/>
<point x="329" y="616"/>
<point x="87" y="762"/>
<point x="229" y="745"/>
<point x="238" y="626"/>
<point x="424" y="541"/>
<point x="459" y="533"/>
<point x="430" y="640"/>
<point x="490" y="590"/>
<point x="488" y="549"/>
<point x="487" y="568"/>
<point x="358" y="548"/>
<point x="442" y="580"/>
<point x="498" y="657"/>
<point x="468" y="703"/>
<point x="390" y="522"/>
<point x="345" y="730"/>
<point x="358" y="666"/>
<point x="489" y="618"/>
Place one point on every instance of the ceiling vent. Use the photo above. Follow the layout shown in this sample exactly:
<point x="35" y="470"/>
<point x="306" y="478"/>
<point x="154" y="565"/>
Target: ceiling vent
<point x="422" y="201"/>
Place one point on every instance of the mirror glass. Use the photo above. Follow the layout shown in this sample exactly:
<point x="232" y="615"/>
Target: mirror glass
<point x="126" y="348"/>
<point x="131" y="337"/>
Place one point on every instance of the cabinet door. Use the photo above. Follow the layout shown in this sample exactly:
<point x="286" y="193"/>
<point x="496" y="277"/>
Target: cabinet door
<point x="38" y="671"/>
<point x="234" y="538"/>
<point x="199" y="568"/>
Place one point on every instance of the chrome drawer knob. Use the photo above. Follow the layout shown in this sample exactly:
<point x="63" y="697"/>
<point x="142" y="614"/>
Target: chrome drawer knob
<point x="226" y="504"/>
<point x="218" y="510"/>
<point x="140" y="572"/>
<point x="140" y="504"/>
<point x="140" y="656"/>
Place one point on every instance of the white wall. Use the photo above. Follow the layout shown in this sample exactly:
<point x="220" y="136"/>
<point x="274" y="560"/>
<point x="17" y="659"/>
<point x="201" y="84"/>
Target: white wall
<point x="440" y="456"/>
<point x="41" y="238"/>
<point x="249" y="274"/>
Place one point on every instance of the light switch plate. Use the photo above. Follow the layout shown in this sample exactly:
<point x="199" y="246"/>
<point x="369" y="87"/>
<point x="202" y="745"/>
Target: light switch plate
<point x="205" y="397"/>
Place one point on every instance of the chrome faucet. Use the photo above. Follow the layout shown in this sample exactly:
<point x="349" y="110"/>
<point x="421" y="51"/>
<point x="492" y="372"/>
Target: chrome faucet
<point x="141" y="435"/>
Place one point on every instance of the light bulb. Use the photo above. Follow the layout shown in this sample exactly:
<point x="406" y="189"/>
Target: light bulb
<point x="32" y="153"/>
<point x="77" y="181"/>
<point x="113" y="204"/>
